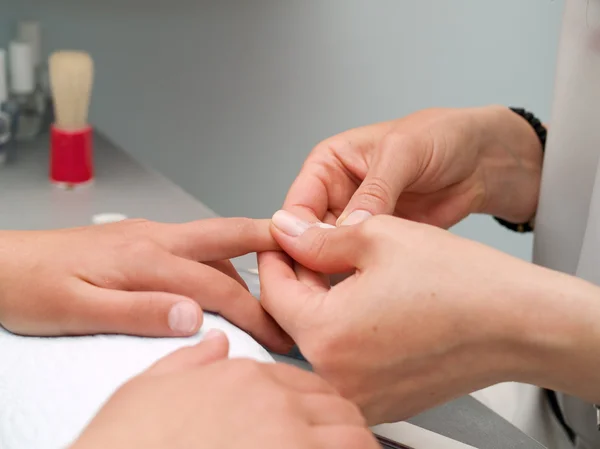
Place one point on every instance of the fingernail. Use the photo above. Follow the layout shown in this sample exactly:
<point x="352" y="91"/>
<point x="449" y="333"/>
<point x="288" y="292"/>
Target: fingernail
<point x="325" y="226"/>
<point x="212" y="334"/>
<point x="290" y="224"/>
<point x="183" y="318"/>
<point x="356" y="217"/>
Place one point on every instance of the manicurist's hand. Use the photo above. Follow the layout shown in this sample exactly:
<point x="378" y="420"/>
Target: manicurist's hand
<point x="435" y="166"/>
<point x="133" y="277"/>
<point x="195" y="398"/>
<point x="426" y="316"/>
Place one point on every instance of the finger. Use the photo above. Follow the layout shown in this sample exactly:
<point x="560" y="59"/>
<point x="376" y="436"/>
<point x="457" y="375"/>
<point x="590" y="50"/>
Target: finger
<point x="346" y="436"/>
<point x="221" y="294"/>
<point x="308" y="197"/>
<point x="316" y="281"/>
<point x="227" y="268"/>
<point x="216" y="238"/>
<point x="299" y="380"/>
<point x="397" y="162"/>
<point x="324" y="182"/>
<point x="325" y="250"/>
<point x="281" y="294"/>
<point x="330" y="218"/>
<point x="214" y="347"/>
<point x="330" y="410"/>
<point x="148" y="314"/>
<point x="214" y="292"/>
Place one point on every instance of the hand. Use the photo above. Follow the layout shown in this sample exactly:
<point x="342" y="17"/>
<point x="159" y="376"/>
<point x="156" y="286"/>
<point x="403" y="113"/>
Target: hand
<point x="193" y="398"/>
<point x="435" y="166"/>
<point x="133" y="277"/>
<point x="426" y="317"/>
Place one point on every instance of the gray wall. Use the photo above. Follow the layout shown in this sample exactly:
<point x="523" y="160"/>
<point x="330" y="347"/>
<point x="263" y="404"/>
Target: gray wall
<point x="228" y="97"/>
<point x="9" y="12"/>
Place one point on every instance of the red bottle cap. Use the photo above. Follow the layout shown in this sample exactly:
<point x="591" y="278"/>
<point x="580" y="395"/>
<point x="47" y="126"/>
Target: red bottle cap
<point x="71" y="156"/>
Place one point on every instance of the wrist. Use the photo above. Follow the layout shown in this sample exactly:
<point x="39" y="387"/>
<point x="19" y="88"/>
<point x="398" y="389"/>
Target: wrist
<point x="553" y="332"/>
<point x="511" y="164"/>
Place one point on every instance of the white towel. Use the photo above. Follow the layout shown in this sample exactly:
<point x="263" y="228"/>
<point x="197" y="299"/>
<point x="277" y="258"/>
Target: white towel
<point x="50" y="388"/>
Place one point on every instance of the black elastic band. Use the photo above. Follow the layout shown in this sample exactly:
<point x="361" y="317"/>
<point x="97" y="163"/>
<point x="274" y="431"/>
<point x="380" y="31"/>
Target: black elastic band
<point x="542" y="133"/>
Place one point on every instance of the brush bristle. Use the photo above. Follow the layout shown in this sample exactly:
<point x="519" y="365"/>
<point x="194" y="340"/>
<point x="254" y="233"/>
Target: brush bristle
<point x="71" y="79"/>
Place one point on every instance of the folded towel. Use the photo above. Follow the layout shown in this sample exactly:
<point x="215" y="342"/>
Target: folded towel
<point x="50" y="388"/>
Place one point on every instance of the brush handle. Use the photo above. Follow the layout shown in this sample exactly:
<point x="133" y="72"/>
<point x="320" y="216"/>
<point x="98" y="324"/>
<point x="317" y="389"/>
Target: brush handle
<point x="71" y="156"/>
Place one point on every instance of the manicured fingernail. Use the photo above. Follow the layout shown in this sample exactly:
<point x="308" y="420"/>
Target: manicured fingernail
<point x="356" y="217"/>
<point x="213" y="333"/>
<point x="183" y="318"/>
<point x="325" y="226"/>
<point x="290" y="224"/>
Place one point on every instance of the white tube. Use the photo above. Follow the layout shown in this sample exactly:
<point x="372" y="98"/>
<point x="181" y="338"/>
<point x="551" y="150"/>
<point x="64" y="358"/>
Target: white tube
<point x="22" y="75"/>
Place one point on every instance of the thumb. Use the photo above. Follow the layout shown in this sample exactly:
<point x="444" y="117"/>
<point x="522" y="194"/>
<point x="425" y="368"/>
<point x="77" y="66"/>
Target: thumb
<point x="147" y="314"/>
<point x="319" y="246"/>
<point x="395" y="165"/>
<point x="214" y="347"/>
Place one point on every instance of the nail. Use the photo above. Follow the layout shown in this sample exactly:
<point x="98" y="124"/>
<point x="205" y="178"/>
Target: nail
<point x="290" y="224"/>
<point x="325" y="226"/>
<point x="356" y="217"/>
<point x="213" y="334"/>
<point x="183" y="318"/>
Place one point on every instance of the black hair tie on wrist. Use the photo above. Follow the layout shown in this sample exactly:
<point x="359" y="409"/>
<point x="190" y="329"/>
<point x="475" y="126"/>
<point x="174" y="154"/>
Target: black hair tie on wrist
<point x="542" y="133"/>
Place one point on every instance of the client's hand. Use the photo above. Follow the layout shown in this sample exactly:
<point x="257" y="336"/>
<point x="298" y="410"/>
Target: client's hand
<point x="133" y="277"/>
<point x="196" y="399"/>
<point x="426" y="316"/>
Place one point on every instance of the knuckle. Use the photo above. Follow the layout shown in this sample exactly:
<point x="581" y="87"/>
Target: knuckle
<point x="324" y="147"/>
<point x="413" y="149"/>
<point x="396" y="142"/>
<point x="376" y="190"/>
<point x="374" y="228"/>
<point x="316" y="245"/>
<point x="137" y="224"/>
<point x="378" y="232"/>
<point x="138" y="246"/>
<point x="245" y="226"/>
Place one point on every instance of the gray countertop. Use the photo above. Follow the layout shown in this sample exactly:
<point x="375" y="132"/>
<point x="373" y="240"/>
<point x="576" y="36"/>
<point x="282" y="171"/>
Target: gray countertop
<point x="122" y="185"/>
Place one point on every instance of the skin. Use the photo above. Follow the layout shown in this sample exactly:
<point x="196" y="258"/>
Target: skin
<point x="196" y="398"/>
<point x="436" y="166"/>
<point x="422" y="320"/>
<point x="421" y="316"/>
<point x="134" y="277"/>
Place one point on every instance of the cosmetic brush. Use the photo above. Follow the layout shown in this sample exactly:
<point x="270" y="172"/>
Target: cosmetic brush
<point x="71" y="152"/>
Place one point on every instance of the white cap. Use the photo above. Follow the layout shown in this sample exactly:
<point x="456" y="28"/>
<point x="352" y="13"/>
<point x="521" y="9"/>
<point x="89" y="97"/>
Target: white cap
<point x="22" y="76"/>
<point x="3" y="83"/>
<point x="31" y="33"/>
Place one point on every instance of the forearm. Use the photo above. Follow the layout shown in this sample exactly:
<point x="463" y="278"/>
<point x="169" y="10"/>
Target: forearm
<point x="559" y="339"/>
<point x="511" y="164"/>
